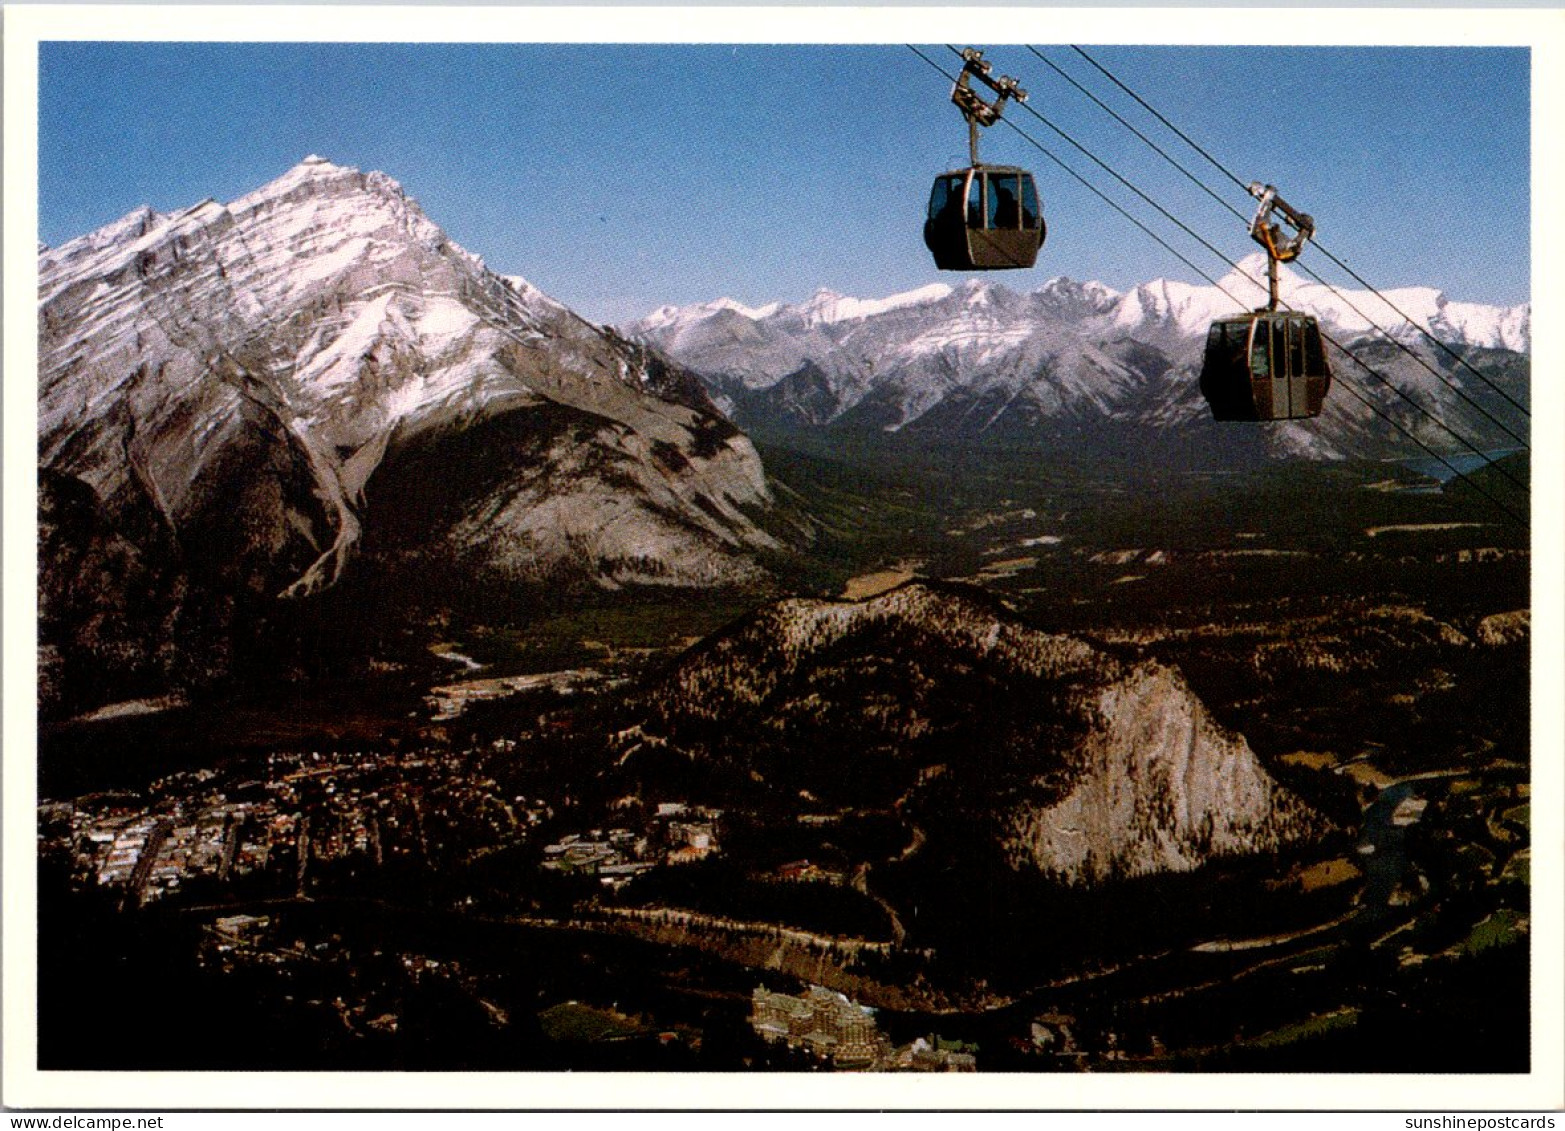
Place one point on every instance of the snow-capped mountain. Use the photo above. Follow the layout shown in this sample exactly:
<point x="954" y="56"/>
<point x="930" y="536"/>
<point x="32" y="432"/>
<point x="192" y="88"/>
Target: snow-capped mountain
<point x="981" y="360"/>
<point x="243" y="398"/>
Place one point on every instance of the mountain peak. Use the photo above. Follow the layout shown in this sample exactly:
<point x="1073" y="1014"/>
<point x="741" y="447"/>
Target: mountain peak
<point x="672" y="319"/>
<point x="318" y="176"/>
<point x="1065" y="285"/>
<point x="754" y="313"/>
<point x="349" y="331"/>
<point x="313" y="166"/>
<point x="827" y="306"/>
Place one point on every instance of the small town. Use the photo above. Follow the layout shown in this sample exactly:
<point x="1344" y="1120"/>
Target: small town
<point x="276" y="824"/>
<point x="677" y="833"/>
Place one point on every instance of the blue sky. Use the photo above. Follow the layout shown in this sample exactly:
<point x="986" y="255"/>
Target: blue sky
<point x="618" y="178"/>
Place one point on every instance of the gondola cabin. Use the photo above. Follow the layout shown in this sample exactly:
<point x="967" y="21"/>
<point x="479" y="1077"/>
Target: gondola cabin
<point x="1268" y="365"/>
<point x="985" y="218"/>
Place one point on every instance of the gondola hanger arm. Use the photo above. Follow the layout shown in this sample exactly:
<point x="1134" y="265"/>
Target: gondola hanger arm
<point x="1268" y="234"/>
<point x="974" y="107"/>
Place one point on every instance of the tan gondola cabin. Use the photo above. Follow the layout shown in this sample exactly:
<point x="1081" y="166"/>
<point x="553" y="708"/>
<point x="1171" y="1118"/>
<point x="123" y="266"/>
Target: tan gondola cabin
<point x="1268" y="364"/>
<point x="984" y="219"/>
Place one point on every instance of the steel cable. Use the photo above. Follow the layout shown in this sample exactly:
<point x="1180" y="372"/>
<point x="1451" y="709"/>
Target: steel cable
<point x="1431" y="370"/>
<point x="1323" y="250"/>
<point x="1457" y="472"/>
<point x="1239" y="270"/>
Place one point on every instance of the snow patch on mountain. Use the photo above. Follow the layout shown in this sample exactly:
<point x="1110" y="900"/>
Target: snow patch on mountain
<point x="323" y="320"/>
<point x="674" y="318"/>
<point x="979" y="356"/>
<point x="1098" y="294"/>
<point x="827" y="307"/>
<point x="1398" y="311"/>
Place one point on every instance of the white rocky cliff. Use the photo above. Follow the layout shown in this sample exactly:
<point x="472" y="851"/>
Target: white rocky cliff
<point x="1162" y="789"/>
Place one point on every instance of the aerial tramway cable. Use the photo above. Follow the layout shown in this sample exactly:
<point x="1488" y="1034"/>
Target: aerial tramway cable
<point x="1200" y="184"/>
<point x="1415" y="404"/>
<point x="1220" y="167"/>
<point x="1149" y="108"/>
<point x="1456" y="472"/>
<point x="1431" y="370"/>
<point x="1460" y="360"/>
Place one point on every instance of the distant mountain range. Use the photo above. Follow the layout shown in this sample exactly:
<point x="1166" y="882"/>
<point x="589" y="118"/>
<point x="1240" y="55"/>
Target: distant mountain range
<point x="237" y="401"/>
<point x="1084" y="365"/>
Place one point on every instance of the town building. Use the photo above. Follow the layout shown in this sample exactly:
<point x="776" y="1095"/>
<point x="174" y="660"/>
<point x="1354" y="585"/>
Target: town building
<point x="933" y="1054"/>
<point x="824" y="1023"/>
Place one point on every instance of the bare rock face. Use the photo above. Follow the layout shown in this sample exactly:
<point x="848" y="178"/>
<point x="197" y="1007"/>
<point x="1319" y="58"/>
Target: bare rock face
<point x="938" y="701"/>
<point x="1161" y="788"/>
<point x="244" y="377"/>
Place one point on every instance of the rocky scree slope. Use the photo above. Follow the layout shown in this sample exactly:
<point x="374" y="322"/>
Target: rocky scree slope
<point x="935" y="699"/>
<point x="248" y="396"/>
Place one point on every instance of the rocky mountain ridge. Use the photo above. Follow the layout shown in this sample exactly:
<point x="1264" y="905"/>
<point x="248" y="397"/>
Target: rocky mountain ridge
<point x="934" y="698"/>
<point x="254" y="394"/>
<point x="1192" y="307"/>
<point x="981" y="361"/>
